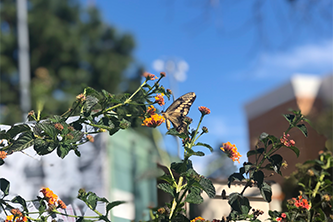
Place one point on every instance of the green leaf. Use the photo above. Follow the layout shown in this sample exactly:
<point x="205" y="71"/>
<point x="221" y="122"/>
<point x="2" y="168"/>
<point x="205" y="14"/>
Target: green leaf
<point x="303" y="129"/>
<point x="174" y="132"/>
<point x="295" y="149"/>
<point x="77" y="153"/>
<point x="266" y="192"/>
<point x="46" y="127"/>
<point x="289" y="117"/>
<point x="4" y="186"/>
<point x="235" y="176"/>
<point x="77" y="136"/>
<point x="124" y="124"/>
<point x="2" y="162"/>
<point x="239" y="203"/>
<point x="263" y="137"/>
<point x="208" y="187"/>
<point x="259" y="177"/>
<point x="92" y="199"/>
<point x="205" y="145"/>
<point x="166" y="178"/>
<point x="194" y="196"/>
<point x="92" y="93"/>
<point x="42" y="147"/>
<point x="14" y="130"/>
<point x="182" y="166"/>
<point x="63" y="150"/>
<point x="24" y="141"/>
<point x="256" y="151"/>
<point x="20" y="200"/>
<point x="276" y="161"/>
<point x="166" y="188"/>
<point x="91" y="101"/>
<point x="113" y="204"/>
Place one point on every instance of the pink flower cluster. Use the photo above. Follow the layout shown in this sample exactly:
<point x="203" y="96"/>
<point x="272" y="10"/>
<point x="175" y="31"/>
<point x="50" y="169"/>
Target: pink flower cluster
<point x="286" y="141"/>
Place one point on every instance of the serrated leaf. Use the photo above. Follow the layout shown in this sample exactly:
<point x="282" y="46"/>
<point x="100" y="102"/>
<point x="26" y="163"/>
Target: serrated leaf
<point x="166" y="188"/>
<point x="208" y="187"/>
<point x="266" y="192"/>
<point x="88" y="91"/>
<point x="77" y="136"/>
<point x="42" y="147"/>
<point x="166" y="178"/>
<point x="15" y="130"/>
<point x="113" y="204"/>
<point x="91" y="101"/>
<point x="63" y="150"/>
<point x="24" y="141"/>
<point x="303" y="129"/>
<point x="239" y="203"/>
<point x="194" y="196"/>
<point x="205" y="145"/>
<point x="46" y="127"/>
<point x="4" y="186"/>
<point x="182" y="166"/>
<point x="92" y="199"/>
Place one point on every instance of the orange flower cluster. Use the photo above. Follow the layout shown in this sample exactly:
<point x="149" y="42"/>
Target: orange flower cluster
<point x="198" y="219"/>
<point x="149" y="75"/>
<point x="204" y="110"/>
<point x="301" y="203"/>
<point x="3" y="154"/>
<point x="231" y="151"/>
<point x="51" y="198"/>
<point x="286" y="141"/>
<point x="16" y="216"/>
<point x="159" y="99"/>
<point x="153" y="121"/>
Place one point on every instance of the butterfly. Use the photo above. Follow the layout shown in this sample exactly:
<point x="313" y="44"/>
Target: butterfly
<point x="178" y="110"/>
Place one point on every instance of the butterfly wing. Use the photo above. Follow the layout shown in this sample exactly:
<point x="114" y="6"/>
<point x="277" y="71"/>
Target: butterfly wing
<point x="177" y="111"/>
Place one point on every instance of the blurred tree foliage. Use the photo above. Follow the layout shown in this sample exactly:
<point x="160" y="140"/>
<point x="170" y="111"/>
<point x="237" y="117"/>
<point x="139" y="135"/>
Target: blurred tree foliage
<point x="70" y="48"/>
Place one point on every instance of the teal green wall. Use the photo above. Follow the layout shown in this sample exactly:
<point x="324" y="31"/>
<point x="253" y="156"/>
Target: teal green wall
<point x="131" y="155"/>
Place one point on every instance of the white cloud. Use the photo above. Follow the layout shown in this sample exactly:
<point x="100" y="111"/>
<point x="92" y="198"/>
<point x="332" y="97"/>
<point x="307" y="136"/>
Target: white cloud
<point x="309" y="58"/>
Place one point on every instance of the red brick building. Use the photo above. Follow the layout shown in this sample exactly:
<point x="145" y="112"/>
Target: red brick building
<point x="307" y="93"/>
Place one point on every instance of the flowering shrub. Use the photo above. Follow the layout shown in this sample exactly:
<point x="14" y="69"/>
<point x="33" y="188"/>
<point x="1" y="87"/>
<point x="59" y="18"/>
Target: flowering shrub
<point x="102" y="111"/>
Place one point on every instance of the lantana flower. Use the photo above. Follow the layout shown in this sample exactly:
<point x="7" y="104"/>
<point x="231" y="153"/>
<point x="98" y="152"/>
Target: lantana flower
<point x="198" y="219"/>
<point x="159" y="99"/>
<point x="149" y="75"/>
<point x="204" y="110"/>
<point x="286" y="141"/>
<point x="151" y="110"/>
<point x="231" y="151"/>
<point x="153" y="121"/>
<point x="3" y="154"/>
<point x="52" y="198"/>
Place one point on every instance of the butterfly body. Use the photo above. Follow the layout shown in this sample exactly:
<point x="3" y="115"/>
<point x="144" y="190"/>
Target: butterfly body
<point x="178" y="110"/>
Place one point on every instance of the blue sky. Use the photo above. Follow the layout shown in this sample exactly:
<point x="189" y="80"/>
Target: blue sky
<point x="231" y="59"/>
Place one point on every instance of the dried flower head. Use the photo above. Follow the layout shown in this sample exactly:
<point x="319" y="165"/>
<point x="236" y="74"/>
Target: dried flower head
<point x="58" y="126"/>
<point x="159" y="99"/>
<point x="231" y="151"/>
<point x="204" y="110"/>
<point x="204" y="129"/>
<point x="163" y="74"/>
<point x="81" y="97"/>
